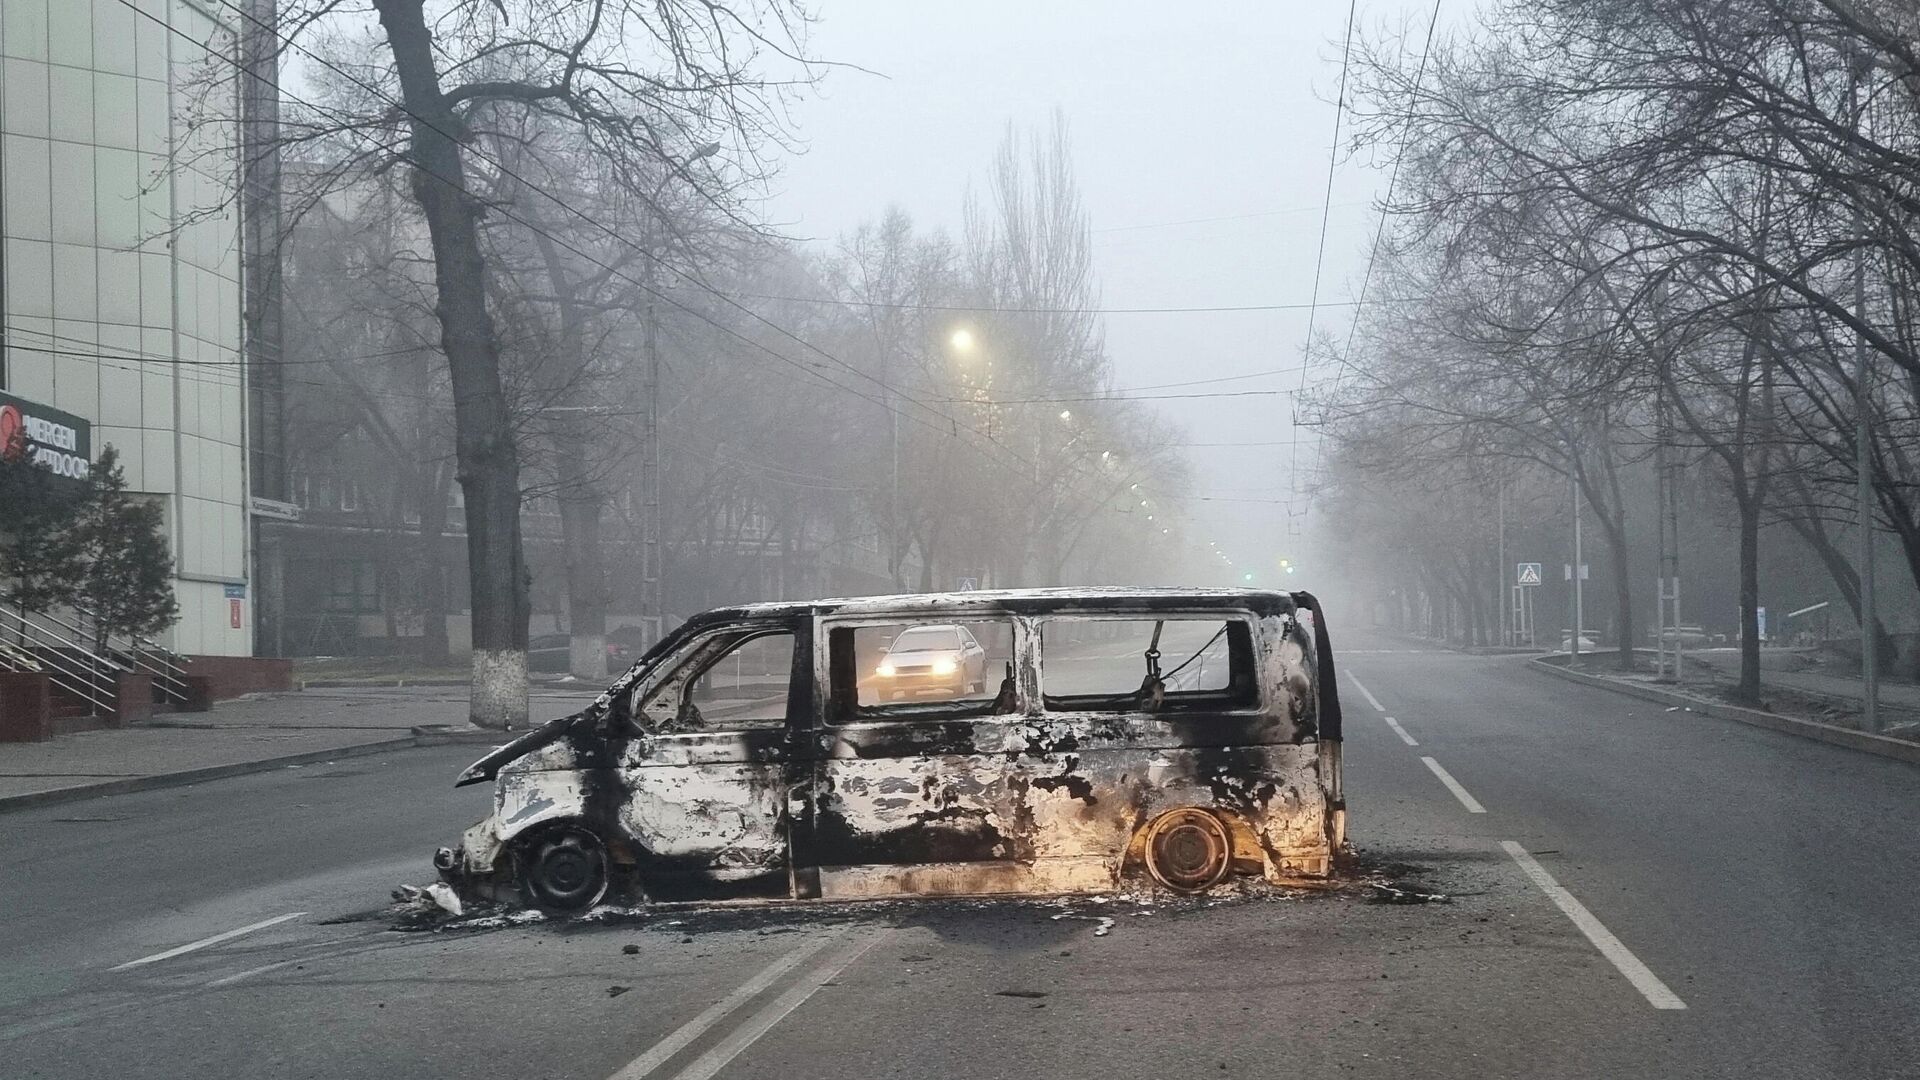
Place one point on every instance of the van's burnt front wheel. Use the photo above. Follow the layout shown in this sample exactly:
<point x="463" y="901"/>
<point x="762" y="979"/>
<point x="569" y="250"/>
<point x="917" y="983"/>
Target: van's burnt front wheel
<point x="563" y="868"/>
<point x="1188" y="850"/>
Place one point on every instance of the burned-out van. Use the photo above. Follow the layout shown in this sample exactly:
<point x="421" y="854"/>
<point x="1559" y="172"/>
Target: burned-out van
<point x="1055" y="741"/>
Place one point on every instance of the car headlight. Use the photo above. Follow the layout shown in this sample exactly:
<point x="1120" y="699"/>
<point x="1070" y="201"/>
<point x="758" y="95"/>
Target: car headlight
<point x="885" y="670"/>
<point x="943" y="667"/>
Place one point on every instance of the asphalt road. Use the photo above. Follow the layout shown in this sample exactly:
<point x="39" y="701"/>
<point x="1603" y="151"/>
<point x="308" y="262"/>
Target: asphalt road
<point x="1640" y="894"/>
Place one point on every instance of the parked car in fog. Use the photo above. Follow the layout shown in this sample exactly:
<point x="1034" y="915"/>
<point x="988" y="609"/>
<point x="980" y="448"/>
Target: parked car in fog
<point x="1688" y="636"/>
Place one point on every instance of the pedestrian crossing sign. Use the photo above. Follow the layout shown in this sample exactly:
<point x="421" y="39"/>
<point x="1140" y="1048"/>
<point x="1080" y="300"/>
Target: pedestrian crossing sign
<point x="1529" y="573"/>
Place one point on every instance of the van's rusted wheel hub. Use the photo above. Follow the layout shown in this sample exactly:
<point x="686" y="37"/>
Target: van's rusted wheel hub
<point x="563" y="869"/>
<point x="1188" y="850"/>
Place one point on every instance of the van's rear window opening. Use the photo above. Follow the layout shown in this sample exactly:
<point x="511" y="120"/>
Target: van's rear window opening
<point x="1156" y="665"/>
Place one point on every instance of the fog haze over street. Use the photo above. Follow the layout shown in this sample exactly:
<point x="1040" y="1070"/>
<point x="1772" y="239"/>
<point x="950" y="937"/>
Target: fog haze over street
<point x="1201" y="141"/>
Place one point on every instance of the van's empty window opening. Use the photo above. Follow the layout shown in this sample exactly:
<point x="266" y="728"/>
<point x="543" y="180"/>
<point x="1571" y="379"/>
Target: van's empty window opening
<point x="1154" y="664"/>
<point x="925" y="669"/>
<point x="741" y="683"/>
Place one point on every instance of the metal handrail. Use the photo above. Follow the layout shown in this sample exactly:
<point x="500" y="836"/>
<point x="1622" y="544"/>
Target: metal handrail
<point x="82" y="681"/>
<point x="62" y="669"/>
<point x="169" y="673"/>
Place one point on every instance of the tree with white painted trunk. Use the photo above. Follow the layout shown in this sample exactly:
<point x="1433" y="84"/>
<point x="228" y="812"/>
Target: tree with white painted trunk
<point x="635" y="81"/>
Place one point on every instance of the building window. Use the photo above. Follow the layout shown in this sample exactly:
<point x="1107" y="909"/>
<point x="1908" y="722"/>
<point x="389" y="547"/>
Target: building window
<point x="353" y="586"/>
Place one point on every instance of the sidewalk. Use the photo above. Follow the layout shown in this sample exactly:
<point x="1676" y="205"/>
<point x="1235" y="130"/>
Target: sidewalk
<point x="1788" y="669"/>
<point x="252" y="734"/>
<point x="1812" y="705"/>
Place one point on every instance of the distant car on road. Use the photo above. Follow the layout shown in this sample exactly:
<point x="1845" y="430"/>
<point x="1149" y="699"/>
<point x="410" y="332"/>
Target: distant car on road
<point x="942" y="657"/>
<point x="1688" y="636"/>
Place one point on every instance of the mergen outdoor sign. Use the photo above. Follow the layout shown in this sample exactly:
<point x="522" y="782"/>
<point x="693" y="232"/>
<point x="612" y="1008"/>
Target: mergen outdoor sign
<point x="31" y="433"/>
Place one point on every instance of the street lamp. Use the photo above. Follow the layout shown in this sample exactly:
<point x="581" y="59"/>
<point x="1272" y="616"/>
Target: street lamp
<point x="1066" y="414"/>
<point x="962" y="340"/>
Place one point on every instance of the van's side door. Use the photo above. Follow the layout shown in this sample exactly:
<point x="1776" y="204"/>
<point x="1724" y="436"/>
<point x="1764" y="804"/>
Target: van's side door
<point x="706" y="787"/>
<point x="921" y="782"/>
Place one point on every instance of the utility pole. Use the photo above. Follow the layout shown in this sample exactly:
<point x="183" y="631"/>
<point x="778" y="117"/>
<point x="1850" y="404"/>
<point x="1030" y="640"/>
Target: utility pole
<point x="651" y="578"/>
<point x="1573" y="639"/>
<point x="1500" y="570"/>
<point x="260" y="214"/>
<point x="1667" y="500"/>
<point x="1863" y="495"/>
<point x="1863" y="453"/>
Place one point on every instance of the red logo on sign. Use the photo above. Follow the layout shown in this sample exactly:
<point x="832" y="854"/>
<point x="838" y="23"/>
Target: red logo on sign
<point x="233" y="613"/>
<point x="13" y="433"/>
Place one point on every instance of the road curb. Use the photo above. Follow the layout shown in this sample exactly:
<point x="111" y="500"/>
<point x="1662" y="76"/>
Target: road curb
<point x="398" y="682"/>
<point x="434" y="735"/>
<point x="185" y="777"/>
<point x="1881" y="745"/>
<point x="374" y="683"/>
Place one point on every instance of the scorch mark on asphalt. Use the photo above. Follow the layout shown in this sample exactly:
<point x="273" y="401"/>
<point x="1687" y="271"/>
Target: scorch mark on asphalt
<point x="1637" y="973"/>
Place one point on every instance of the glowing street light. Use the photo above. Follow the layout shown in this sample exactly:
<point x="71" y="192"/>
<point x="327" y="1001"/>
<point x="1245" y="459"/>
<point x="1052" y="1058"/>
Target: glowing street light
<point x="962" y="340"/>
<point x="1066" y="414"/>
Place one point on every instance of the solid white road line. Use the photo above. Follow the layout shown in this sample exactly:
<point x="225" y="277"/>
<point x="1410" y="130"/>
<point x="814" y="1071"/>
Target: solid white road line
<point x="204" y="942"/>
<point x="763" y="1021"/>
<point x="229" y="980"/>
<point x="658" y="1054"/>
<point x="1643" y="980"/>
<point x="1400" y="731"/>
<point x="1371" y="700"/>
<point x="1472" y="804"/>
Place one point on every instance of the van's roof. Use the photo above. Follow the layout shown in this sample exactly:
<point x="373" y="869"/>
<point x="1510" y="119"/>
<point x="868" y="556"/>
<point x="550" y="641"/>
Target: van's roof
<point x="1024" y="602"/>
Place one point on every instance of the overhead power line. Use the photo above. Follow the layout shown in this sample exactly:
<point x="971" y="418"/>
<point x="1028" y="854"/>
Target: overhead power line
<point x="953" y="425"/>
<point x="611" y="234"/>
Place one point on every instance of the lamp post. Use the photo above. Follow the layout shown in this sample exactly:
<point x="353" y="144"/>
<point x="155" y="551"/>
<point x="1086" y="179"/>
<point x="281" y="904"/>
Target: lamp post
<point x="653" y="577"/>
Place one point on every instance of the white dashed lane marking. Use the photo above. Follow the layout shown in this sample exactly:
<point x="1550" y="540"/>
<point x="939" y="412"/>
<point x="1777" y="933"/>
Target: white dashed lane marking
<point x="1362" y="687"/>
<point x="1472" y="804"/>
<point x="1637" y="973"/>
<point x="1400" y="731"/>
<point x="194" y="946"/>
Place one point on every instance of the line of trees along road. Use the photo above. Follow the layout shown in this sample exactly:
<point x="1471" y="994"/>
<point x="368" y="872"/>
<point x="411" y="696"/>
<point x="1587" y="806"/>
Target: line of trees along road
<point x="525" y="264"/>
<point x="1636" y="224"/>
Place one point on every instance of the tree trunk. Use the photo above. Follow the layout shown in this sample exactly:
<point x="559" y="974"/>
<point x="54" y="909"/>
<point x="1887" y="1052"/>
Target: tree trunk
<point x="489" y="469"/>
<point x="1749" y="687"/>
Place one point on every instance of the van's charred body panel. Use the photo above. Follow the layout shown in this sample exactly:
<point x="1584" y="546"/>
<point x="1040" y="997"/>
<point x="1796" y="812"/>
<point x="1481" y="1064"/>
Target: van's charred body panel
<point x="1026" y="799"/>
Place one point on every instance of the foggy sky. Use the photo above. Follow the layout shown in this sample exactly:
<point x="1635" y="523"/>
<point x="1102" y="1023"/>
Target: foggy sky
<point x="1176" y="113"/>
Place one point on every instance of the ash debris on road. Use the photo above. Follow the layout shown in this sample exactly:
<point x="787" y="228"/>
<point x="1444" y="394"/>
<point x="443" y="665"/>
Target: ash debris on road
<point x="1374" y="880"/>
